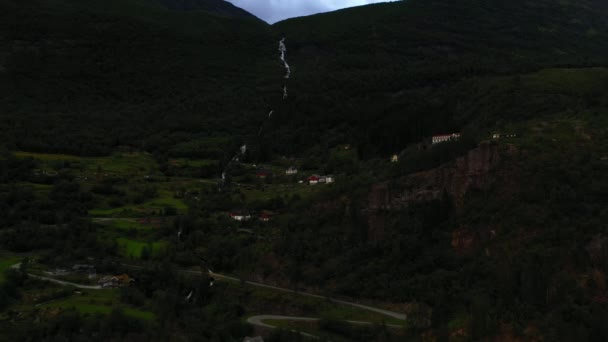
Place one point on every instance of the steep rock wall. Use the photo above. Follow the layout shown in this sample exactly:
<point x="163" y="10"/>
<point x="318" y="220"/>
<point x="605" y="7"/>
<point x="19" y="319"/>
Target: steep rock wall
<point x="477" y="170"/>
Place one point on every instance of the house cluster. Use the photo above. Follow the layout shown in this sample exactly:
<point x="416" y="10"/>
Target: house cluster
<point x="111" y="281"/>
<point x="437" y="139"/>
<point x="245" y="215"/>
<point x="497" y="136"/>
<point x="316" y="179"/>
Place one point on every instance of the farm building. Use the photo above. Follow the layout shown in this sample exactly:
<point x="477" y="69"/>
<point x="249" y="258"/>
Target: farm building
<point x="314" y="179"/>
<point x="240" y="215"/>
<point x="499" y="135"/>
<point x="445" y="137"/>
<point x="291" y="171"/>
<point x="115" y="281"/>
<point x="263" y="173"/>
<point x="264" y="216"/>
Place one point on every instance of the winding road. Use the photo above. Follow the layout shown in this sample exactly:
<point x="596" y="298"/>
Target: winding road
<point x="60" y="282"/>
<point x="257" y="320"/>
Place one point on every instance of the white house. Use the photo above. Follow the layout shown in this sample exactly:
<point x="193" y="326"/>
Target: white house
<point x="445" y="137"/>
<point x="394" y="158"/>
<point x="498" y="135"/>
<point x="240" y="215"/>
<point x="291" y="171"/>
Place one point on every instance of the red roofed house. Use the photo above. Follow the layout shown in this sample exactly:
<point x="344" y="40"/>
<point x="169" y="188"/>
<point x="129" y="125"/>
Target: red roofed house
<point x="313" y="179"/>
<point x="264" y="217"/>
<point x="262" y="173"/>
<point x="240" y="215"/>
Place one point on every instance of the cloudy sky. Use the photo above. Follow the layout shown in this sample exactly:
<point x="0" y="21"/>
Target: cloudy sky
<point x="275" y="10"/>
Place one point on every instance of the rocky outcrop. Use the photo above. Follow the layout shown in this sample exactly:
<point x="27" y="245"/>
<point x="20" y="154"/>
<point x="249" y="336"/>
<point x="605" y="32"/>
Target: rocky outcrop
<point x="472" y="171"/>
<point x="477" y="170"/>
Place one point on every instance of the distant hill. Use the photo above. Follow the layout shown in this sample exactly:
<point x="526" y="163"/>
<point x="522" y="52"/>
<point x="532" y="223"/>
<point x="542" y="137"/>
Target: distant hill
<point x="383" y="75"/>
<point x="220" y="7"/>
<point x="372" y="72"/>
<point x="76" y="70"/>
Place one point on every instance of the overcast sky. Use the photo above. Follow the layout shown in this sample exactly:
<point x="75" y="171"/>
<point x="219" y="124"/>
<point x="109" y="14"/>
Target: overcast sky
<point x="276" y="10"/>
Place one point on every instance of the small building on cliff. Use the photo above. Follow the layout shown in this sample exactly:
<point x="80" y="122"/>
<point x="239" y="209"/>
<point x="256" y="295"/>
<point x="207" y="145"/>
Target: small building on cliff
<point x="437" y="139"/>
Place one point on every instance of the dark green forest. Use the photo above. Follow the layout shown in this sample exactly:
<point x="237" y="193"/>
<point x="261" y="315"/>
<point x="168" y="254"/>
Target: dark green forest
<point x="117" y="119"/>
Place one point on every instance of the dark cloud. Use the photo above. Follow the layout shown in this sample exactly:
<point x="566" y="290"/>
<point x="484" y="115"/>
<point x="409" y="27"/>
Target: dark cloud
<point x="276" y="10"/>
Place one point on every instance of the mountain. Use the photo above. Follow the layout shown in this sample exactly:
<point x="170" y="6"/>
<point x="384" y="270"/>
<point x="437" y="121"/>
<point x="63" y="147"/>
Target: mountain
<point x="373" y="71"/>
<point x="125" y="67"/>
<point x="219" y="7"/>
<point x="497" y="235"/>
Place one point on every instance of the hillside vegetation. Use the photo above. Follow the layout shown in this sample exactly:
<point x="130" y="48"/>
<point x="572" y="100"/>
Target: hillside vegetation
<point x="117" y="119"/>
<point x="381" y="75"/>
<point x="127" y="73"/>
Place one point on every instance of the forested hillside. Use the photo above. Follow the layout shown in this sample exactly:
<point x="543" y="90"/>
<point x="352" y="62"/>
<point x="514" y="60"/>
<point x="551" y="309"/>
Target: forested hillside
<point x="126" y="73"/>
<point x="159" y="144"/>
<point x="382" y="75"/>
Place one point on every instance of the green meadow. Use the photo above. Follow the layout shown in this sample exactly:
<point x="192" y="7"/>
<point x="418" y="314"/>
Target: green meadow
<point x="125" y="224"/>
<point x="5" y="263"/>
<point x="133" y="248"/>
<point x="98" y="302"/>
<point x="148" y="208"/>
<point x="118" y="163"/>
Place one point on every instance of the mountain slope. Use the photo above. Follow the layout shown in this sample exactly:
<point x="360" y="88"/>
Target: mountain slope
<point x="375" y="70"/>
<point x="220" y="7"/>
<point x="117" y="72"/>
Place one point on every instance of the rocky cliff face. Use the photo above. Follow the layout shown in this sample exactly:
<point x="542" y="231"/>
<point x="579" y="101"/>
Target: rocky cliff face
<point x="477" y="170"/>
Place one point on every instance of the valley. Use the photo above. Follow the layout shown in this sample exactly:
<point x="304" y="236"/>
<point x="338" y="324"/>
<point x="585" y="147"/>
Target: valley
<point x="417" y="170"/>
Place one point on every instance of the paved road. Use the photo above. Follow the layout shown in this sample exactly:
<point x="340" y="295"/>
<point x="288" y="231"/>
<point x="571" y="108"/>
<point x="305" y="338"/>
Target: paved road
<point x="259" y="320"/>
<point x="389" y="313"/>
<point x="111" y="219"/>
<point x="393" y="314"/>
<point x="61" y="282"/>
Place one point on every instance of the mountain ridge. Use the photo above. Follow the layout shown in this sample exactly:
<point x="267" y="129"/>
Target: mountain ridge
<point x="219" y="7"/>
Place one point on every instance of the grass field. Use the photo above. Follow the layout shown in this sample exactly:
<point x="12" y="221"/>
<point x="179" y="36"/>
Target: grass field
<point x="5" y="263"/>
<point x="98" y="302"/>
<point x="314" y="329"/>
<point x="117" y="163"/>
<point x="127" y="224"/>
<point x="183" y="162"/>
<point x="572" y="81"/>
<point x="132" y="248"/>
<point x="305" y="191"/>
<point x="36" y="188"/>
<point x="154" y="206"/>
